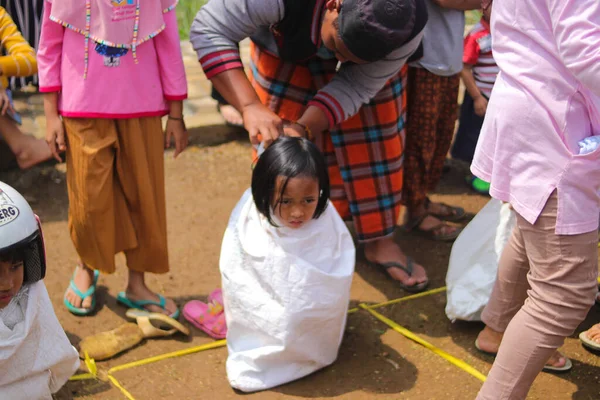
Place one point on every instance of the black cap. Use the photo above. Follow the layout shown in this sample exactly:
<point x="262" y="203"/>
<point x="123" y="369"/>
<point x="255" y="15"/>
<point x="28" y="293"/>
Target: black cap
<point x="371" y="29"/>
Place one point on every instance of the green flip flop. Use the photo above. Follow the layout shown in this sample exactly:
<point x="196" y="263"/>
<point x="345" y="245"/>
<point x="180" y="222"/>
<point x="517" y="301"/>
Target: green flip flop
<point x="140" y="304"/>
<point x="82" y="295"/>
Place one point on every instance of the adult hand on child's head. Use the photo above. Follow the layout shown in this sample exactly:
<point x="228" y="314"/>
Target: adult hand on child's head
<point x="55" y="136"/>
<point x="481" y="104"/>
<point x="259" y="120"/>
<point x="176" y="131"/>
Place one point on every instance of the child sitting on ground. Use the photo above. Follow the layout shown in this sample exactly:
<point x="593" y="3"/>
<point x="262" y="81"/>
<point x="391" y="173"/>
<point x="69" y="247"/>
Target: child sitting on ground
<point x="478" y="75"/>
<point x="287" y="262"/>
<point x="36" y="358"/>
<point x="19" y="61"/>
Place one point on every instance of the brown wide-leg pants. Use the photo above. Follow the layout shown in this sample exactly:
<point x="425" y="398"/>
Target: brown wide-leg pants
<point x="115" y="180"/>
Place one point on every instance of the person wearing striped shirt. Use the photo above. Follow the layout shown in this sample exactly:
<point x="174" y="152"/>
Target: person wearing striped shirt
<point x="478" y="74"/>
<point x="19" y="61"/>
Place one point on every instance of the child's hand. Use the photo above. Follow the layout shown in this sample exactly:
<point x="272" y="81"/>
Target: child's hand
<point x="258" y="119"/>
<point x="481" y="104"/>
<point x="55" y="136"/>
<point x="176" y="130"/>
<point x="5" y="102"/>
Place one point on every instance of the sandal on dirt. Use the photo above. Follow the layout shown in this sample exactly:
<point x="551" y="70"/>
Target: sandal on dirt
<point x="210" y="318"/>
<point x="105" y="345"/>
<point x="141" y="304"/>
<point x="589" y="343"/>
<point x="547" y="368"/>
<point x="80" y="311"/>
<point x="413" y="225"/>
<point x="408" y="269"/>
<point x="456" y="213"/>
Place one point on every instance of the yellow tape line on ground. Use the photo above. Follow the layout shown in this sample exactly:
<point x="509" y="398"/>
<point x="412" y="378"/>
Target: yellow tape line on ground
<point x="401" y="299"/>
<point x="459" y="363"/>
<point x="93" y="370"/>
<point x="93" y="374"/>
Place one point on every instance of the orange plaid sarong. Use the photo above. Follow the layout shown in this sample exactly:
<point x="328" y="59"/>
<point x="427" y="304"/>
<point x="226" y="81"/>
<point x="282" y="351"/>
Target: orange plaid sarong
<point x="364" y="154"/>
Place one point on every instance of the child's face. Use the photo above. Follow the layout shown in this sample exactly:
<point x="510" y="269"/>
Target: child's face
<point x="298" y="203"/>
<point x="11" y="280"/>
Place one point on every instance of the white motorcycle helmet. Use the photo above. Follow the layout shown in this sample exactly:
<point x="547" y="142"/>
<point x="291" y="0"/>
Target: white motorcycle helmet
<point x="20" y="230"/>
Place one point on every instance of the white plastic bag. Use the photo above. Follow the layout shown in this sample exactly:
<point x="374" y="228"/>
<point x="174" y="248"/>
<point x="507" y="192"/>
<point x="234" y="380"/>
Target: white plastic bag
<point x="474" y="261"/>
<point x="286" y="294"/>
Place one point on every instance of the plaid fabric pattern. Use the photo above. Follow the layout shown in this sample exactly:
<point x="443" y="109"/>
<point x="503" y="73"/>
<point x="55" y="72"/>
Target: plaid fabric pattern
<point x="364" y="154"/>
<point x="432" y="112"/>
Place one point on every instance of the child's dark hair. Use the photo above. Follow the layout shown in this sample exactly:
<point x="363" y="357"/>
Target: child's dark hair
<point x="288" y="157"/>
<point x="16" y="255"/>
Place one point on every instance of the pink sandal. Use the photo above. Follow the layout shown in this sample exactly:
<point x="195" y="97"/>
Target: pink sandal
<point x="210" y="318"/>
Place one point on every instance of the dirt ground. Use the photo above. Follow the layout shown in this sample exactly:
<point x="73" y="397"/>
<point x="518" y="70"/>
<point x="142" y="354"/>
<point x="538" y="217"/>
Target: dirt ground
<point x="375" y="362"/>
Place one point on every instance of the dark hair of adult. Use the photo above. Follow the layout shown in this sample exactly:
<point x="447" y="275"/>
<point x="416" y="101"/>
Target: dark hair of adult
<point x="288" y="157"/>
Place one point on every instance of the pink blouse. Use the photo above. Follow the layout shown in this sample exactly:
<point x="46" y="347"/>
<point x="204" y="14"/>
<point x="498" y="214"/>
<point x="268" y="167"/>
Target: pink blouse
<point x="115" y="87"/>
<point x="545" y="101"/>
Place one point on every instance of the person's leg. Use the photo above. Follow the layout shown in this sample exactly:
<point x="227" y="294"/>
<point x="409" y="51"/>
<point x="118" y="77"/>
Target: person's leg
<point x="424" y="108"/>
<point x="90" y="158"/>
<point x="446" y="123"/>
<point x="28" y="150"/>
<point x="369" y="151"/>
<point x="140" y="176"/>
<point x="562" y="278"/>
<point x="467" y="135"/>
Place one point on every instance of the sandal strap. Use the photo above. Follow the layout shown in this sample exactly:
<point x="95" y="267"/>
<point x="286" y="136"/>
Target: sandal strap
<point x="454" y="211"/>
<point x="408" y="268"/>
<point x="414" y="222"/>
<point x="161" y="303"/>
<point x="82" y="295"/>
<point x="91" y="290"/>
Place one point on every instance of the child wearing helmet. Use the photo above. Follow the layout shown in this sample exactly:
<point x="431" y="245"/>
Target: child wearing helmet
<point x="36" y="358"/>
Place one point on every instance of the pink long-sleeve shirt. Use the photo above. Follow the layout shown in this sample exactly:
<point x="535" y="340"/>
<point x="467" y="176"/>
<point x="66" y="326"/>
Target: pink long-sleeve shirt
<point x="128" y="90"/>
<point x="546" y="100"/>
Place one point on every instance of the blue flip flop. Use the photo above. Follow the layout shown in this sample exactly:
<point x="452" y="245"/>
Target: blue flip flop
<point x="140" y="304"/>
<point x="90" y="292"/>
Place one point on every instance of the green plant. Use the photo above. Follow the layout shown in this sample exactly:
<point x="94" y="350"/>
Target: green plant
<point x="186" y="11"/>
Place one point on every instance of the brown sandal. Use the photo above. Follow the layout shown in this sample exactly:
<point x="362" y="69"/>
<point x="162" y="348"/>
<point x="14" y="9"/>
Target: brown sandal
<point x="455" y="213"/>
<point x="414" y="225"/>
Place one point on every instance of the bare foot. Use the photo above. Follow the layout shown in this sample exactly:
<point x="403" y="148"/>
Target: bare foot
<point x="84" y="277"/>
<point x="386" y="250"/>
<point x="137" y="290"/>
<point x="594" y="333"/>
<point x="32" y="152"/>
<point x="231" y="115"/>
<point x="489" y="341"/>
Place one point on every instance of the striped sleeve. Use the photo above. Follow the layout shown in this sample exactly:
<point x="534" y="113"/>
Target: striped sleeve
<point x="221" y="24"/>
<point x="20" y="59"/>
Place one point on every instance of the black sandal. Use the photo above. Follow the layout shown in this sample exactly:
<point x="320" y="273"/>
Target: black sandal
<point x="417" y="287"/>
